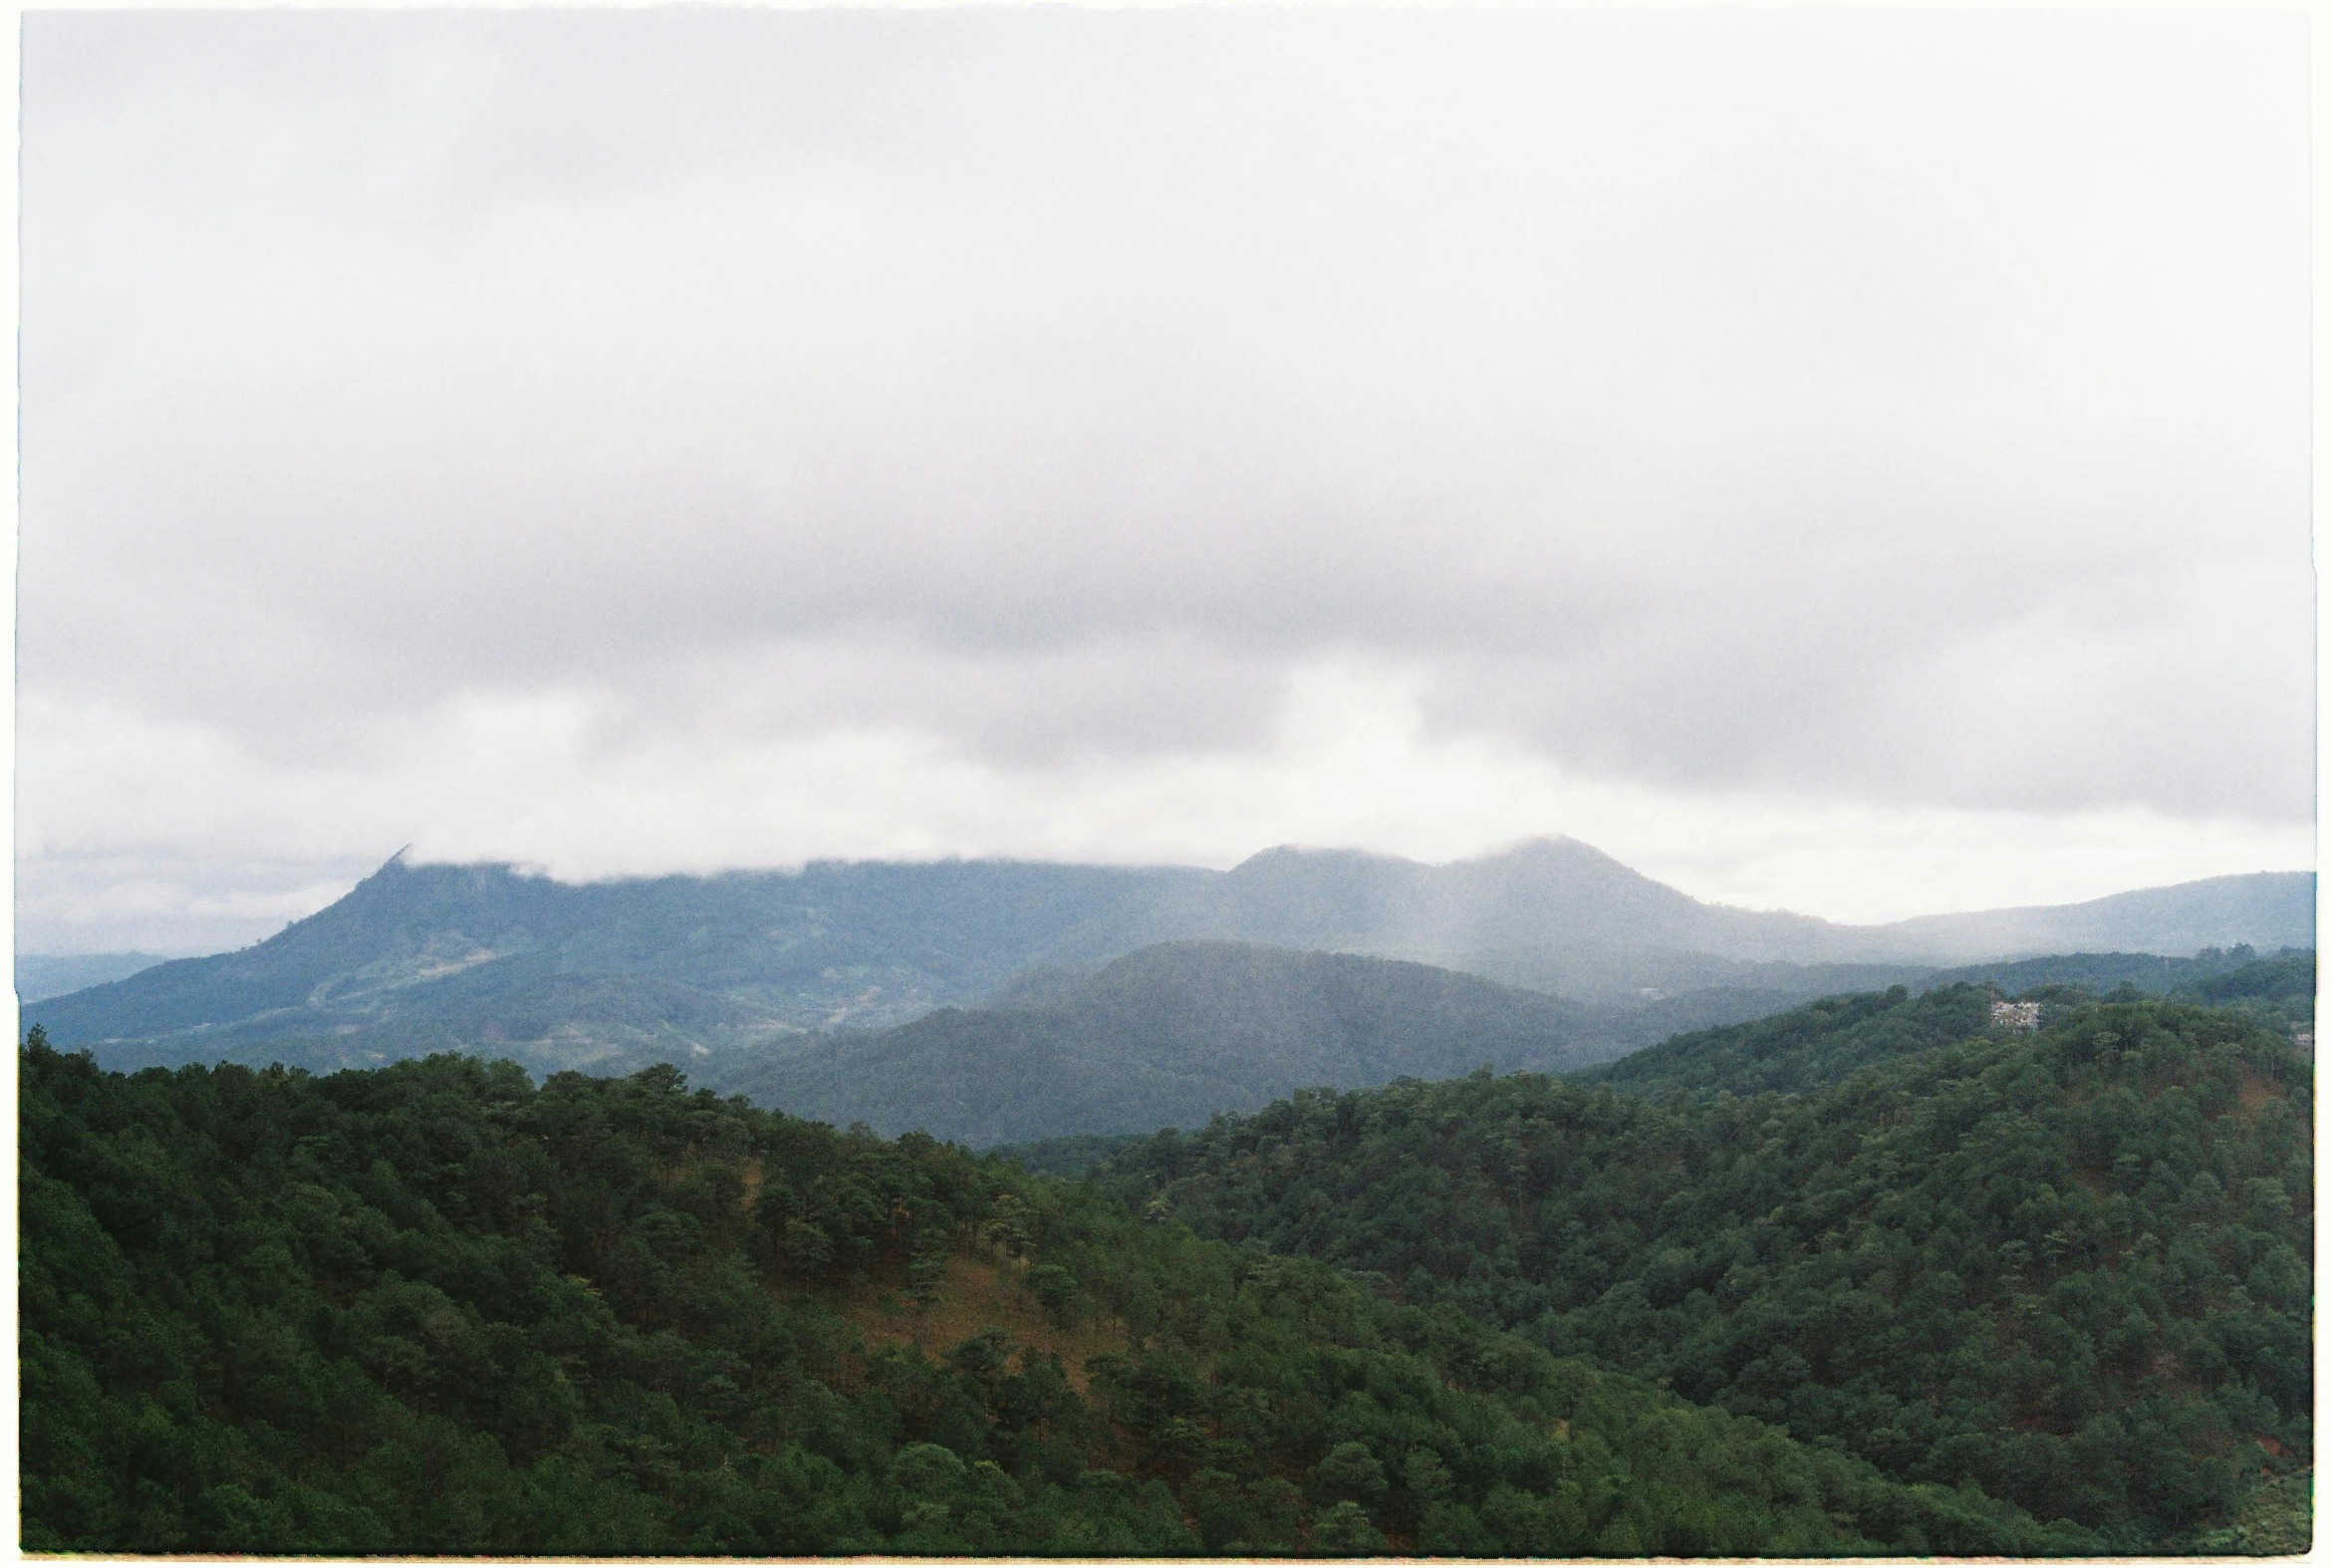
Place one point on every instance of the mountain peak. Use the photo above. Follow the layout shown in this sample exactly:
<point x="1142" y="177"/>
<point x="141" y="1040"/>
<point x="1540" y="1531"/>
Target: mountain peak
<point x="1548" y="850"/>
<point x="1281" y="855"/>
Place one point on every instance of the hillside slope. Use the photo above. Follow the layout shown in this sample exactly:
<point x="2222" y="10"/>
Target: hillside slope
<point x="435" y="1310"/>
<point x="1827" y="1041"/>
<point x="1171" y="1035"/>
<point x="1805" y="1048"/>
<point x="870" y="945"/>
<point x="511" y="1009"/>
<point x="833" y="945"/>
<point x="2151" y="974"/>
<point x="2072" y="1269"/>
<point x="2278" y="993"/>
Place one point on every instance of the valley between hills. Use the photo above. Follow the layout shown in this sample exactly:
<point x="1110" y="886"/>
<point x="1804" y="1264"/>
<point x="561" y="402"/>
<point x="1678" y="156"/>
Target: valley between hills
<point x="1332" y="1205"/>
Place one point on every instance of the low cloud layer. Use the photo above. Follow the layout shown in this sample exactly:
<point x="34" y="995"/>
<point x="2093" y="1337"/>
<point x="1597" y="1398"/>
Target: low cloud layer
<point x="1348" y="762"/>
<point x="1903" y="414"/>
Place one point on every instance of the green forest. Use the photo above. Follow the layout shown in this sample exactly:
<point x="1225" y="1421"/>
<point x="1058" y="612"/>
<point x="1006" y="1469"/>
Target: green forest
<point x="2071" y="1268"/>
<point x="1868" y="1278"/>
<point x="436" y="1309"/>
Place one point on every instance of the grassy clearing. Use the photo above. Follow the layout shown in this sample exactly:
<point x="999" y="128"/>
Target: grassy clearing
<point x="979" y="1294"/>
<point x="2277" y="1520"/>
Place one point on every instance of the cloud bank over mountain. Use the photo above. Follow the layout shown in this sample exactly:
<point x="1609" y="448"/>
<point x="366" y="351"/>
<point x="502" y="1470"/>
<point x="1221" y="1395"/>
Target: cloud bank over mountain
<point x="1833" y="461"/>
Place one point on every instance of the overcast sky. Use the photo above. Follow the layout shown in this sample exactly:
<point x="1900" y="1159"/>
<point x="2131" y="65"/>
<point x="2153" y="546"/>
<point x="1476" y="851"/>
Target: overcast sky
<point x="1848" y="461"/>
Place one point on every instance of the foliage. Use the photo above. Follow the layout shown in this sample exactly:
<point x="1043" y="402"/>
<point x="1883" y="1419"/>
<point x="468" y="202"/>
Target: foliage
<point x="1071" y="1156"/>
<point x="2071" y="1269"/>
<point x="435" y="1309"/>
<point x="2276" y="1519"/>
<point x="2152" y="974"/>
<point x="2278" y="993"/>
<point x="1804" y="1048"/>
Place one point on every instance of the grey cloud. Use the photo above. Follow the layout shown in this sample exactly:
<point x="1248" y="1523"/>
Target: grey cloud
<point x="175" y="905"/>
<point x="1690" y="398"/>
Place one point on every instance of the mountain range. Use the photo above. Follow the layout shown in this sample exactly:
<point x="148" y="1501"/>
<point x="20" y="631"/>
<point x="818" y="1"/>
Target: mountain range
<point x="40" y="977"/>
<point x="1213" y="989"/>
<point x="1888" y="1274"/>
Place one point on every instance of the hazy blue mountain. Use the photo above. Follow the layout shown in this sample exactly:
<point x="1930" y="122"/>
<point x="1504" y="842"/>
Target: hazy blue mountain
<point x="1550" y="893"/>
<point x="42" y="976"/>
<point x="1574" y="906"/>
<point x="547" y="1022"/>
<point x="1639" y="976"/>
<point x="2266" y="911"/>
<point x="827" y="946"/>
<point x="1171" y="1035"/>
<point x="865" y="946"/>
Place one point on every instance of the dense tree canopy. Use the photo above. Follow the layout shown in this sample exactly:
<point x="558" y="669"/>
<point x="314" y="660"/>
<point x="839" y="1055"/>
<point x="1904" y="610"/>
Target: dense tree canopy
<point x="437" y="1308"/>
<point x="1805" y="1047"/>
<point x="2071" y="1269"/>
<point x="2278" y="992"/>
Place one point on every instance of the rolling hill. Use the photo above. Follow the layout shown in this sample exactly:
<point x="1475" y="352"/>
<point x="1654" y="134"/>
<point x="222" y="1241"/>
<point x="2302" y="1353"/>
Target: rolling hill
<point x="419" y="957"/>
<point x="1826" y="1041"/>
<point x="2070" y="1267"/>
<point x="1805" y="1048"/>
<point x="2150" y="974"/>
<point x="439" y="1311"/>
<point x="1173" y="1034"/>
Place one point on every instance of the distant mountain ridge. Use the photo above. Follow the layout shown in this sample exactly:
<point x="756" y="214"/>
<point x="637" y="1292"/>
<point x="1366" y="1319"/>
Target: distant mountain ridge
<point x="1171" y="1035"/>
<point x="869" y="946"/>
<point x="2265" y="909"/>
<point x="42" y="976"/>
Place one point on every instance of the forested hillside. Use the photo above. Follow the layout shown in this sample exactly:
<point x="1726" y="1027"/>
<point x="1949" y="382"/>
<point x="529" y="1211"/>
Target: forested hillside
<point x="547" y="1022"/>
<point x="2072" y="1269"/>
<point x="1824" y="1041"/>
<point x="1805" y="1047"/>
<point x="2279" y="993"/>
<point x="1171" y="1035"/>
<point x="1174" y="1032"/>
<point x="867" y="943"/>
<point x="2150" y="974"/>
<point x="435" y="1309"/>
<point x="1674" y="980"/>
